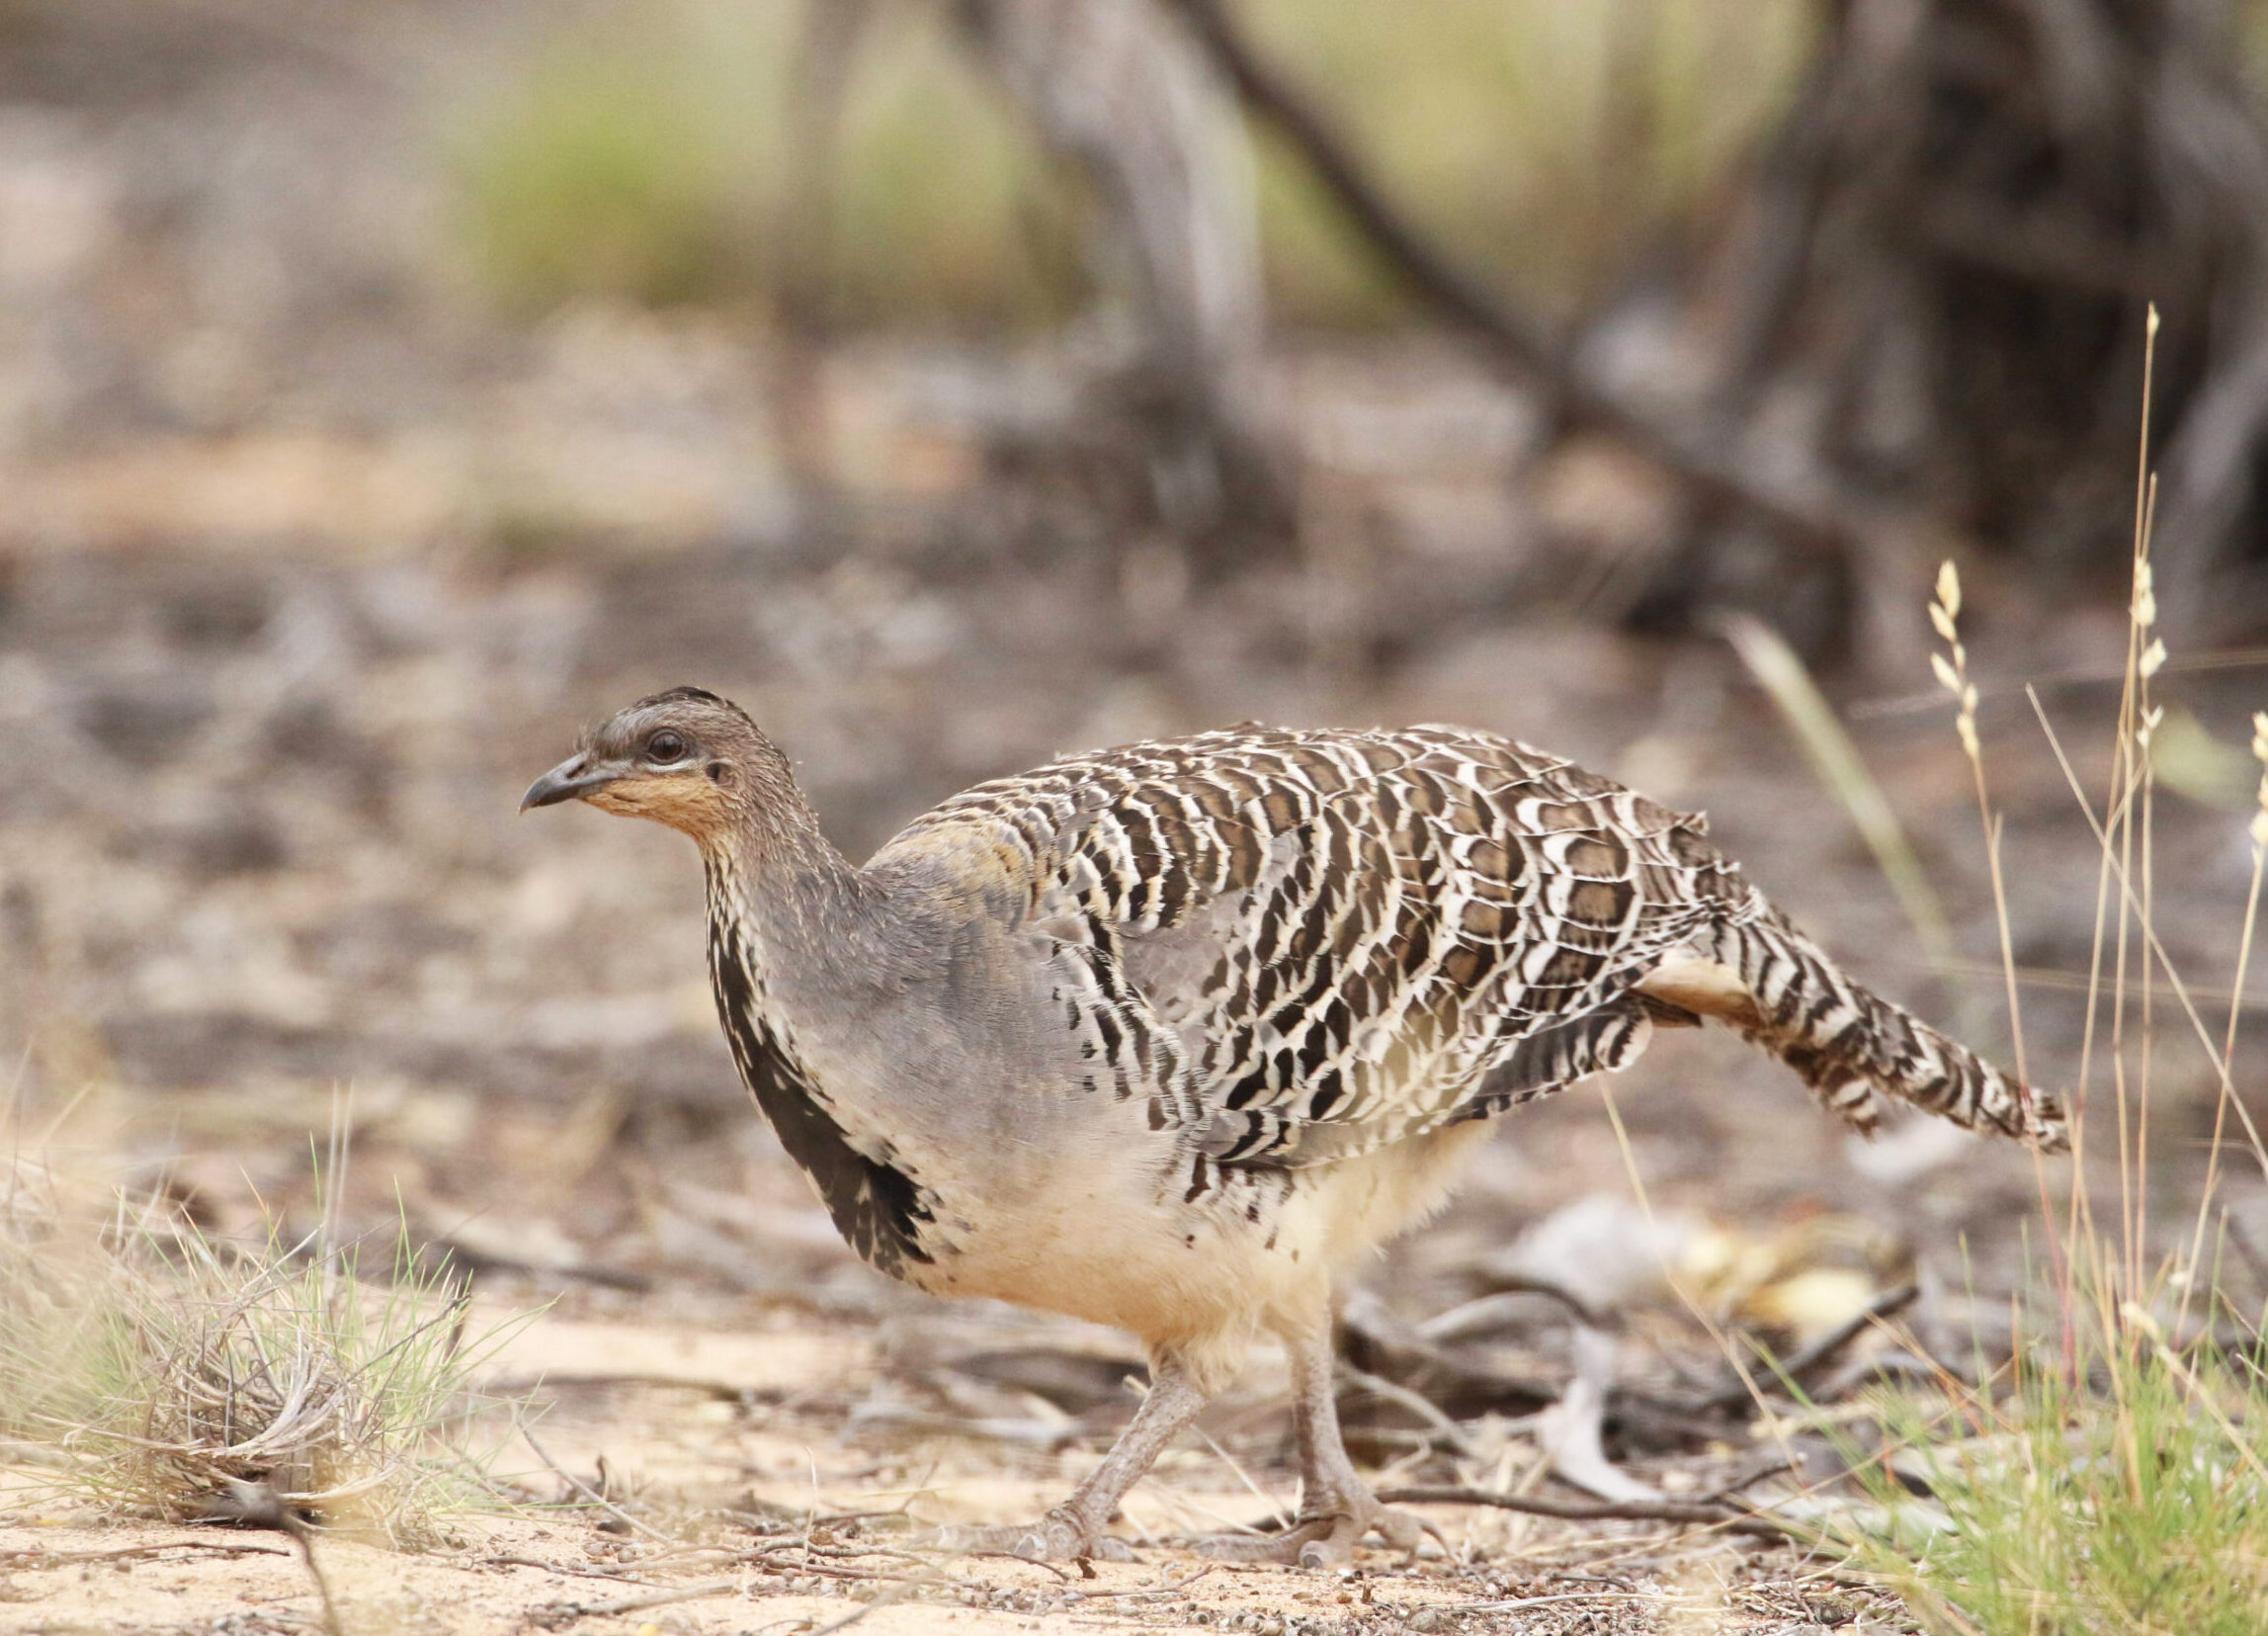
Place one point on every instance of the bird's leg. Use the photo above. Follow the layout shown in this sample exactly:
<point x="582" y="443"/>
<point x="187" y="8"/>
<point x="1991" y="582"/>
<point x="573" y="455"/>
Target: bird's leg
<point x="1074" y="1529"/>
<point x="1337" y="1510"/>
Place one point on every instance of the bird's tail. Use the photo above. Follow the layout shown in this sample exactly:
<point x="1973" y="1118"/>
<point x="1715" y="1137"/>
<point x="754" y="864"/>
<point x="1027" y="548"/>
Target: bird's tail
<point x="1779" y="991"/>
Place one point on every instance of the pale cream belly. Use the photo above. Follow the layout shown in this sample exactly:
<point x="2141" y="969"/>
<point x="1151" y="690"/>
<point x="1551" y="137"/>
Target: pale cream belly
<point x="1206" y="1275"/>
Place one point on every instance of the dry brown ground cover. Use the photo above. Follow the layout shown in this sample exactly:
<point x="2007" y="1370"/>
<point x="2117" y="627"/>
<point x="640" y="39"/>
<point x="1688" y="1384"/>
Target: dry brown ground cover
<point x="259" y="844"/>
<point x="297" y="595"/>
<point x="757" y="1483"/>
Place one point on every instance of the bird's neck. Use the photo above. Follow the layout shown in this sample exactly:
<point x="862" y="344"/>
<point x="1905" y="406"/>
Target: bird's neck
<point x="781" y="893"/>
<point x="792" y="935"/>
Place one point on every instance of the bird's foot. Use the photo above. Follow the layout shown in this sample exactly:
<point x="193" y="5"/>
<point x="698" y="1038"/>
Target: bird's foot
<point x="1327" y="1538"/>
<point x="1058" y="1536"/>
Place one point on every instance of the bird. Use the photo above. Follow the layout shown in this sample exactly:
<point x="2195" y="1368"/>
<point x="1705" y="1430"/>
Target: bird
<point x="1169" y="1036"/>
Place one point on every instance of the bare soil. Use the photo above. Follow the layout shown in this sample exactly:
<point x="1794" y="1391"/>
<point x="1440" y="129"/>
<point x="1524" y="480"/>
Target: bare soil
<point x="744" y="1499"/>
<point x="306" y="569"/>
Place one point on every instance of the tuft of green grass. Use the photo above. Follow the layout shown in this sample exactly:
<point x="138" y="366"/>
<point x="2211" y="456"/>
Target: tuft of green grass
<point x="651" y="153"/>
<point x="618" y="162"/>
<point x="2125" y="1498"/>
<point x="149" y="1369"/>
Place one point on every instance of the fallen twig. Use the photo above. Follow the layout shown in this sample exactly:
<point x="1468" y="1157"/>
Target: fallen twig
<point x="589" y="1493"/>
<point x="639" y="1604"/>
<point x="34" y="1560"/>
<point x="1520" y="1604"/>
<point x="1772" y="1466"/>
<point x="1707" y="1513"/>
<point x="1736" y="1393"/>
<point x="1029" y="1562"/>
<point x="1168" y="1590"/>
<point x="614" y="1576"/>
<point x="662" y="1597"/>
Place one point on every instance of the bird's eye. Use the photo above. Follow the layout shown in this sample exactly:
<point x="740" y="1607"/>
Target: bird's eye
<point x="666" y="746"/>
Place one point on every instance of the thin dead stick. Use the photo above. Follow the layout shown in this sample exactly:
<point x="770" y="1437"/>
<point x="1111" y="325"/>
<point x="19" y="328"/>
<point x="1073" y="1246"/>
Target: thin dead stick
<point x="1806" y="1358"/>
<point x="654" y="1599"/>
<point x="1417" y="1404"/>
<point x="1167" y="1590"/>
<point x="35" y="1559"/>
<point x="1011" y="1556"/>
<point x="617" y="1577"/>
<point x="2149" y="934"/>
<point x="823" y="1570"/>
<point x="589" y="1493"/>
<point x="848" y="1552"/>
<point x="1774" y="1466"/>
<point x="1519" y="1604"/>
<point x="1706" y="1513"/>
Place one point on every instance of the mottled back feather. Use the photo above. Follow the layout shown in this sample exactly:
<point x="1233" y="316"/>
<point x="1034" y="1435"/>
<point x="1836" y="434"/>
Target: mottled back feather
<point x="1301" y="946"/>
<point x="1304" y="945"/>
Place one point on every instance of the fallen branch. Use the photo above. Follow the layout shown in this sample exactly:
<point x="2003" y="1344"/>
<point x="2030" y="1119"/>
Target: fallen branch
<point x="1707" y="1513"/>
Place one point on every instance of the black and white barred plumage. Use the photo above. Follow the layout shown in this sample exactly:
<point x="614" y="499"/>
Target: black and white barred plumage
<point x="1308" y="945"/>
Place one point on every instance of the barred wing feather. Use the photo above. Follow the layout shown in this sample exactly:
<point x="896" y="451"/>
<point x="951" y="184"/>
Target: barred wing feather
<point x="1303" y="946"/>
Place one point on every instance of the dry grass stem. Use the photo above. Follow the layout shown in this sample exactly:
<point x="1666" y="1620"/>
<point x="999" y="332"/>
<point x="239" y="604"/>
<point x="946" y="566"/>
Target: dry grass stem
<point x="154" y="1370"/>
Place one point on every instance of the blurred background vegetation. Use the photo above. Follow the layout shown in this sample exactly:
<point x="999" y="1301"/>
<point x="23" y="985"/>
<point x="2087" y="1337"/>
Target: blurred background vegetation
<point x="643" y="153"/>
<point x="388" y="385"/>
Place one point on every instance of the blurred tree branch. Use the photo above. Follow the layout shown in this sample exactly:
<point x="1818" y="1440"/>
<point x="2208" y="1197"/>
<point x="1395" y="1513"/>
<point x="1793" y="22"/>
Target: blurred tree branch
<point x="1928" y="298"/>
<point x="1513" y="340"/>
<point x="1115" y="89"/>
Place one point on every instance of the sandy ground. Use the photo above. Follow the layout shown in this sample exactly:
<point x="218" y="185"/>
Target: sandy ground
<point x="297" y="594"/>
<point x="752" y="1515"/>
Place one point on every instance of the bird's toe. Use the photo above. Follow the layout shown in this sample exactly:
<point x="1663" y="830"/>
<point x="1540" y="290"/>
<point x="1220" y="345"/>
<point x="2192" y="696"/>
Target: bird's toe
<point x="1284" y="1547"/>
<point x="1335" y="1546"/>
<point x="1055" y="1537"/>
<point x="1404" y="1531"/>
<point x="1325" y="1541"/>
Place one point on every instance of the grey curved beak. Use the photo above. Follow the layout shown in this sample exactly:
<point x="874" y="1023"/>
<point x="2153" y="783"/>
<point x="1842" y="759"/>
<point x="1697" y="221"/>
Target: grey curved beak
<point x="571" y="778"/>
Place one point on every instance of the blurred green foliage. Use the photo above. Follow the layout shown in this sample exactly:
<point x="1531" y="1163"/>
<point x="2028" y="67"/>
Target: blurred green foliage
<point x="1545" y="144"/>
<point x="616" y="171"/>
<point x="651" y="152"/>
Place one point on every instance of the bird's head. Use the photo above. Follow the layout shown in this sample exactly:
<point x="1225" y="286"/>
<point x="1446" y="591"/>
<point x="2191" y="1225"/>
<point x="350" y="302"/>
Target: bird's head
<point x="686" y="758"/>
